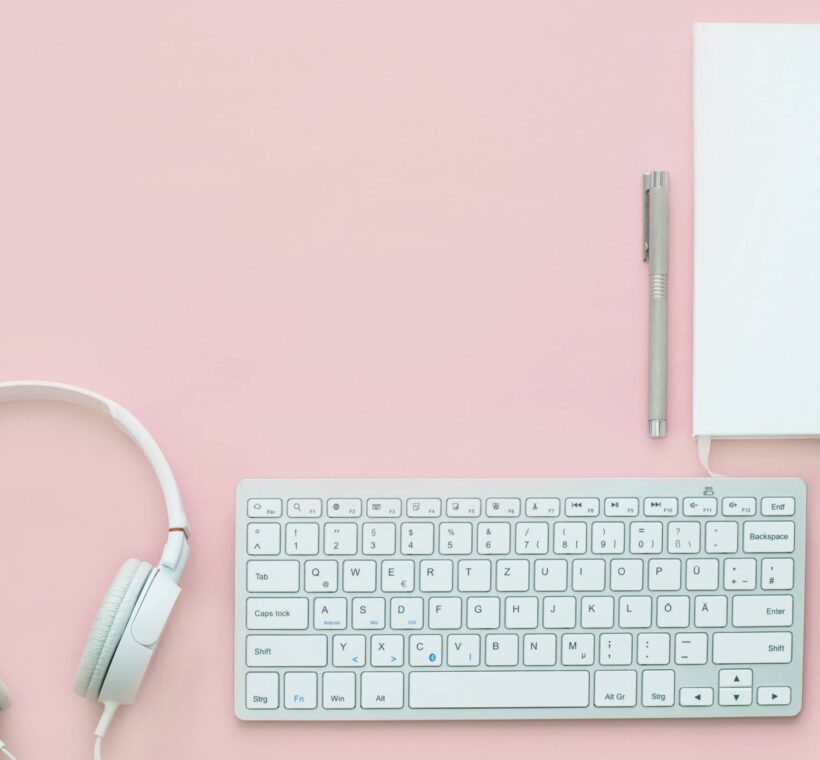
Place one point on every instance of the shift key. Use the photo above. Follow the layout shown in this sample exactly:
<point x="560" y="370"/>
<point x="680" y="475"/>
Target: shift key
<point x="279" y="651"/>
<point x="751" y="648"/>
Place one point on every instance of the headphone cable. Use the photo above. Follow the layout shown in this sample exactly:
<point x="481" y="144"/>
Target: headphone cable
<point x="6" y="752"/>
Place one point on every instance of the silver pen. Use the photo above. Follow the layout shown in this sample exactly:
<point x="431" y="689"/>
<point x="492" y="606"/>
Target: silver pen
<point x="656" y="251"/>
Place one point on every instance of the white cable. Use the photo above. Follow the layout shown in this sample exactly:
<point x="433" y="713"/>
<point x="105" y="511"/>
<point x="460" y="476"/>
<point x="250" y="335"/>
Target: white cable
<point x="98" y="748"/>
<point x="109" y="710"/>
<point x="704" y="446"/>
<point x="6" y="752"/>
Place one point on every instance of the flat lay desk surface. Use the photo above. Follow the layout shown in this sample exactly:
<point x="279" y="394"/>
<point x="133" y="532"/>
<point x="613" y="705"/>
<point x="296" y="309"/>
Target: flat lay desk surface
<point x="333" y="240"/>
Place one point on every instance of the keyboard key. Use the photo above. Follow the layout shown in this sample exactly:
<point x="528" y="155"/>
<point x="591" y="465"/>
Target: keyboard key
<point x="735" y="678"/>
<point x="658" y="688"/>
<point x="542" y="507"/>
<point x="783" y="507"/>
<point x="597" y="611"/>
<point x="444" y="612"/>
<point x="615" y="649"/>
<point x="304" y="507"/>
<point x="749" y="611"/>
<point x="338" y="691"/>
<point x="735" y="697"/>
<point x="559" y="611"/>
<point x="550" y="575"/>
<point x="691" y="648"/>
<point x="262" y="691"/>
<point x="300" y="691"/>
<point x="384" y="507"/>
<point x="570" y="538"/>
<point x="615" y="688"/>
<point x="387" y="651"/>
<point x="359" y="575"/>
<point x="483" y="612"/>
<point x="697" y="697"/>
<point x="341" y="538"/>
<point x="739" y="574"/>
<point x="277" y="614"/>
<point x="382" y="691"/>
<point x="406" y="613"/>
<point x="751" y="648"/>
<point x="626" y="574"/>
<point x="263" y="538"/>
<point x="521" y="612"/>
<point x="653" y="648"/>
<point x="673" y="611"/>
<point x="344" y="508"/>
<point x="539" y="649"/>
<point x="512" y="575"/>
<point x="711" y="611"/>
<point x="503" y="507"/>
<point x="425" y="650"/>
<point x="582" y="507"/>
<point x="398" y="575"/>
<point x="463" y="650"/>
<point x="737" y="507"/>
<point x="378" y="538"/>
<point x="417" y="538"/>
<point x="663" y="506"/>
<point x="774" y="695"/>
<point x="330" y="612"/>
<point x="501" y="650"/>
<point x="531" y="538"/>
<point x="607" y="537"/>
<point x="301" y="539"/>
<point x="264" y="507"/>
<point x="768" y="537"/>
<point x="283" y="650"/>
<point x="577" y="649"/>
<point x="777" y="574"/>
<point x="635" y="611"/>
<point x="627" y="507"/>
<point x="646" y="538"/>
<point x="455" y="538"/>
<point x="424" y="507"/>
<point x="683" y="538"/>
<point x="486" y="689"/>
<point x="463" y="507"/>
<point x="701" y="507"/>
<point x="368" y="613"/>
<point x="348" y="651"/>
<point x="702" y="574"/>
<point x="436" y="575"/>
<point x="721" y="537"/>
<point x="664" y="575"/>
<point x="273" y="576"/>
<point x="474" y="574"/>
<point x="493" y="538"/>
<point x="588" y="574"/>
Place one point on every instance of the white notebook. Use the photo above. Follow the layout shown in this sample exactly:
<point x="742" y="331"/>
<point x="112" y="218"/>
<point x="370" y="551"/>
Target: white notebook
<point x="757" y="230"/>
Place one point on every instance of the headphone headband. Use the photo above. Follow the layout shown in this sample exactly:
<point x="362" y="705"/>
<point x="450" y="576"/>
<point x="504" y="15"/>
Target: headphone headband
<point x="36" y="390"/>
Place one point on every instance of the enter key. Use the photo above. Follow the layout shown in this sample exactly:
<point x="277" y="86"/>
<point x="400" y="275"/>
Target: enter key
<point x="762" y="611"/>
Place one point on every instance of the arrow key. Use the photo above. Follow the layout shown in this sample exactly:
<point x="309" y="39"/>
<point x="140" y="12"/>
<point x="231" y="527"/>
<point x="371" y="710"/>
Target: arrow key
<point x="735" y="697"/>
<point x="736" y="678"/>
<point x="774" y="695"/>
<point x="696" y="697"/>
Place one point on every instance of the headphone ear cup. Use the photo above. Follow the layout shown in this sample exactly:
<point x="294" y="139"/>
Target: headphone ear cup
<point x="5" y="697"/>
<point x="109" y="626"/>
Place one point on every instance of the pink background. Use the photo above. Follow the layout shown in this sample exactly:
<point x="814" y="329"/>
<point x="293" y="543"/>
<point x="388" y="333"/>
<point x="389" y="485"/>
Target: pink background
<point x="331" y="239"/>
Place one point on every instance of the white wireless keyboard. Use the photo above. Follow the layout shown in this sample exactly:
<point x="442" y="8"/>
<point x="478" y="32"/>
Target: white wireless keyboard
<point x="480" y="599"/>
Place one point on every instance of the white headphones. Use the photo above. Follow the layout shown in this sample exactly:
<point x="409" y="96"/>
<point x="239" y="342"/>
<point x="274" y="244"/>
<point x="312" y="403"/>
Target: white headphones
<point x="138" y="604"/>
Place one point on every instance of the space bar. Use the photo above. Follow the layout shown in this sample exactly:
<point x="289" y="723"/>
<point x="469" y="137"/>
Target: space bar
<point x="499" y="689"/>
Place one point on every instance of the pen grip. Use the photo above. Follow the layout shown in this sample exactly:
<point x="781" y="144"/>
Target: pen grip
<point x="657" y="347"/>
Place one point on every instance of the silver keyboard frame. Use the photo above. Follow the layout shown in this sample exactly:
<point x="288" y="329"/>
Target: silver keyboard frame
<point x="789" y="674"/>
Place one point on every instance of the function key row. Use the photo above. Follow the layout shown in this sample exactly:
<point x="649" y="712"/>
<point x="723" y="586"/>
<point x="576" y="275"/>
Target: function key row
<point x="662" y="506"/>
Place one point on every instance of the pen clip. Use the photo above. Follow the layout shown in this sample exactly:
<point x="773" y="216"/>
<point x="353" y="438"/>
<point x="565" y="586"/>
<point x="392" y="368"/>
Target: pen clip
<point x="647" y="183"/>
